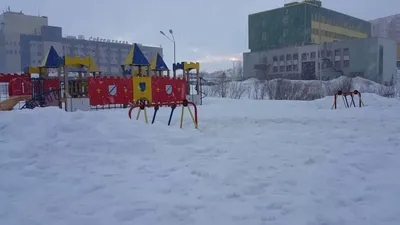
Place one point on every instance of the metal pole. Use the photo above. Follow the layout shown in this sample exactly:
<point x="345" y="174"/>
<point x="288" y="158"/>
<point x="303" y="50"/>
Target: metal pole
<point x="319" y="50"/>
<point x="174" y="52"/>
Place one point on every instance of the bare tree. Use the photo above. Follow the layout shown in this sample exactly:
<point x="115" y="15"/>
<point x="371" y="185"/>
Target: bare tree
<point x="236" y="90"/>
<point x="222" y="85"/>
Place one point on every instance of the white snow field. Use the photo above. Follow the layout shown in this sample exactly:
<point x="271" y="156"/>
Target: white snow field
<point x="252" y="162"/>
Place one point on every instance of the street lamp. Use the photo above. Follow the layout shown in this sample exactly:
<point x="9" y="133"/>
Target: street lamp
<point x="172" y="40"/>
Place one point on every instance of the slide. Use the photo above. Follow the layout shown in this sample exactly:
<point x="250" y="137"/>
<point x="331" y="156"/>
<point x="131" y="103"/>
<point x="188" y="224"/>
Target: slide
<point x="9" y="103"/>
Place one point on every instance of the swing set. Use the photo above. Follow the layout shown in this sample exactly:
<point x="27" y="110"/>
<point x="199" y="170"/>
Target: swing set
<point x="143" y="104"/>
<point x="346" y="102"/>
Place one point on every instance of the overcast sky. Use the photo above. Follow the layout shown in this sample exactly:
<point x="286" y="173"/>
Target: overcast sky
<point x="211" y="31"/>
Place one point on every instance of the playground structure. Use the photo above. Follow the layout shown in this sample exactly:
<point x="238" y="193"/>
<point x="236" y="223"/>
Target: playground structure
<point x="148" y="85"/>
<point x="8" y="104"/>
<point x="346" y="102"/>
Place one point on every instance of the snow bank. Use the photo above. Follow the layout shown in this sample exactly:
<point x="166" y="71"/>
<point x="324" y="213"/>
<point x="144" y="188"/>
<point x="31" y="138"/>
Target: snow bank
<point x="281" y="89"/>
<point x="252" y="162"/>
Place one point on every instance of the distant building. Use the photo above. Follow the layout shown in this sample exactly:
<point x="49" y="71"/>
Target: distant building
<point x="387" y="27"/>
<point x="25" y="39"/>
<point x="302" y="23"/>
<point x="371" y="58"/>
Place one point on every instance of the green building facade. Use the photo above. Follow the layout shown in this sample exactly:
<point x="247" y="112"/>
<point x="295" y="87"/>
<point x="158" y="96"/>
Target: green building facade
<point x="302" y="23"/>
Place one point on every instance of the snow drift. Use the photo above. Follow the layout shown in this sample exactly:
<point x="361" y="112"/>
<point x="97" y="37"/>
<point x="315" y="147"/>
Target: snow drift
<point x="252" y="162"/>
<point x="282" y="89"/>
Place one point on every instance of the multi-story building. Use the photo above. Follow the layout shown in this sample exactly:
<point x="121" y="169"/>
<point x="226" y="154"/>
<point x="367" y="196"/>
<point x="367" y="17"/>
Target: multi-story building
<point x="387" y="27"/>
<point x="302" y="23"/>
<point x="25" y="39"/>
<point x="371" y="58"/>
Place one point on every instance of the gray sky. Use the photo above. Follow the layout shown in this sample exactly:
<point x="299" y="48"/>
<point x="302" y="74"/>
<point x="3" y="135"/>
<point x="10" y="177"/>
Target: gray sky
<point x="219" y="26"/>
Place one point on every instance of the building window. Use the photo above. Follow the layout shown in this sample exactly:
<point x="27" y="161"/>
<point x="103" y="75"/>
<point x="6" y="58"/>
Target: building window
<point x="304" y="57"/>
<point x="39" y="54"/>
<point x="346" y="58"/>
<point x="295" y="68"/>
<point x="282" y="58"/>
<point x="313" y="56"/>
<point x="337" y="54"/>
<point x="337" y="64"/>
<point x="329" y="53"/>
<point x="295" y="56"/>
<point x="346" y="52"/>
<point x="275" y="59"/>
<point x="282" y="69"/>
<point x="275" y="69"/>
<point x="288" y="57"/>
<point x="289" y="68"/>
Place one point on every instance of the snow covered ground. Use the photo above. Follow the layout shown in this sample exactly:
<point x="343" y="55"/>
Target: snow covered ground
<point x="252" y="162"/>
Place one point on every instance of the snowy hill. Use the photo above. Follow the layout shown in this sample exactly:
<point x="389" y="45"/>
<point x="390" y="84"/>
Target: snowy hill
<point x="252" y="162"/>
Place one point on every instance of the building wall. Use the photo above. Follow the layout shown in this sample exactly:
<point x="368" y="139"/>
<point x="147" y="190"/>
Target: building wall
<point x="277" y="28"/>
<point x="328" y="26"/>
<point x="302" y="23"/>
<point x="389" y="59"/>
<point x="24" y="41"/>
<point x="13" y="24"/>
<point x="358" y="57"/>
<point x="387" y="27"/>
<point x="108" y="56"/>
<point x="19" y="23"/>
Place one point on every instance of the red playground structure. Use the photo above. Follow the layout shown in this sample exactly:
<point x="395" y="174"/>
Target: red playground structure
<point x="143" y="85"/>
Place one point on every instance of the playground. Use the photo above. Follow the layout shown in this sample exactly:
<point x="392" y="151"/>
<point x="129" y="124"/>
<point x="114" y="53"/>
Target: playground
<point x="142" y="85"/>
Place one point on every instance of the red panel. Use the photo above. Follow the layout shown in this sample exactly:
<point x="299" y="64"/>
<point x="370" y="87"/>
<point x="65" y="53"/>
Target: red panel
<point x="124" y="91"/>
<point x="157" y="89"/>
<point x="167" y="90"/>
<point x="51" y="84"/>
<point x="97" y="91"/>
<point x="110" y="90"/>
<point x="179" y="89"/>
<point x="19" y="86"/>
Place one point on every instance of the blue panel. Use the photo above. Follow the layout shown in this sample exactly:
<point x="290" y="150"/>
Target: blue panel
<point x="138" y="56"/>
<point x="178" y="66"/>
<point x="53" y="59"/>
<point x="160" y="64"/>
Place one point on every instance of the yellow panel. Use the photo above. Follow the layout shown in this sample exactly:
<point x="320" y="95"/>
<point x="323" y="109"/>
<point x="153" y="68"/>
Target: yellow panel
<point x="153" y="63"/>
<point x="336" y="29"/>
<point x="128" y="59"/>
<point x="191" y="65"/>
<point x="316" y="39"/>
<point x="142" y="89"/>
<point x="398" y="51"/>
<point x="87" y="61"/>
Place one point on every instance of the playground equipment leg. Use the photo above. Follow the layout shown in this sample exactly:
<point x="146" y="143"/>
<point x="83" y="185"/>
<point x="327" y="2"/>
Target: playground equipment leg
<point x="193" y="119"/>
<point x="171" y="114"/>
<point x="183" y="110"/>
<point x="145" y="114"/>
<point x="154" y="115"/>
